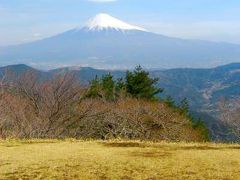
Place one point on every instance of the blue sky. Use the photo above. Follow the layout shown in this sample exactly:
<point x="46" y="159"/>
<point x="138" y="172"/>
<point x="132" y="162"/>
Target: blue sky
<point x="28" y="20"/>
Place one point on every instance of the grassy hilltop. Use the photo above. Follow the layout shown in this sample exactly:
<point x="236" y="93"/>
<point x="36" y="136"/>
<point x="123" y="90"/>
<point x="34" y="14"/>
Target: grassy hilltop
<point x="72" y="159"/>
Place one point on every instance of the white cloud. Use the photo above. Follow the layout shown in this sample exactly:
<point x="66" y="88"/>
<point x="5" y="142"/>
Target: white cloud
<point x="36" y="35"/>
<point x="101" y="1"/>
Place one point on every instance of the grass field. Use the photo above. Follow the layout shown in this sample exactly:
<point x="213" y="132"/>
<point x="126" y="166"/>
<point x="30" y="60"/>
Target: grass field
<point x="71" y="159"/>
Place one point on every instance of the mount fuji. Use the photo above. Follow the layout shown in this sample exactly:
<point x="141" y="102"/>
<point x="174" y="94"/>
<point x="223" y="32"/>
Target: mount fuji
<point x="107" y="42"/>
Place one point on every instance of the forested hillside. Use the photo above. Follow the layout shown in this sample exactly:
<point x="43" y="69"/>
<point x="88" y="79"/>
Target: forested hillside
<point x="56" y="105"/>
<point x="203" y="88"/>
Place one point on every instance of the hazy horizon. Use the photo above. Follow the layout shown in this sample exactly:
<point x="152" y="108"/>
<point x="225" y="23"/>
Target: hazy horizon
<point x="26" y="21"/>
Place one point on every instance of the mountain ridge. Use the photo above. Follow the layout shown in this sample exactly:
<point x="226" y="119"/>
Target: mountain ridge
<point x="114" y="49"/>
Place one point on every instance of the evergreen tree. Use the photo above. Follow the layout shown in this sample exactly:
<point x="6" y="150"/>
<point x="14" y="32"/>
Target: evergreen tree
<point x="94" y="90"/>
<point x="104" y="87"/>
<point x="120" y="84"/>
<point x="108" y="87"/>
<point x="140" y="85"/>
<point x="184" y="106"/>
<point x="137" y="84"/>
<point x="120" y="88"/>
<point x="170" y="101"/>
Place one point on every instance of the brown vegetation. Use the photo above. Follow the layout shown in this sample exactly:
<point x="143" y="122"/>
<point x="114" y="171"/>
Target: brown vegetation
<point x="58" y="108"/>
<point x="230" y="115"/>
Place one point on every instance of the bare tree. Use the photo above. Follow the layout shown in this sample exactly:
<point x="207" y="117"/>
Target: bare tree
<point x="137" y="119"/>
<point x="58" y="107"/>
<point x="230" y="114"/>
<point x="4" y="95"/>
<point x="44" y="108"/>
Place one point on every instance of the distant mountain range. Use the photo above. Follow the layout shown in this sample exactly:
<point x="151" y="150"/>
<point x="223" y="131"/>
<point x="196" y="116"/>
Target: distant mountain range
<point x="106" y="42"/>
<point x="202" y="87"/>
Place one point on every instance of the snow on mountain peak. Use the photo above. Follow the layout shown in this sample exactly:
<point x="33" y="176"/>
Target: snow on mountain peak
<point x="105" y="21"/>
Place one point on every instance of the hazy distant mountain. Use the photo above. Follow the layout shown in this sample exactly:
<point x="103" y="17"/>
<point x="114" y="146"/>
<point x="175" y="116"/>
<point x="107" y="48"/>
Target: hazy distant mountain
<point x="107" y="42"/>
<point x="19" y="69"/>
<point x="202" y="87"/>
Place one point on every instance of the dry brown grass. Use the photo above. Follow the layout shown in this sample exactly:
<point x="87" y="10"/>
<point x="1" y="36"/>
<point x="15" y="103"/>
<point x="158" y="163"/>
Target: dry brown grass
<point x="71" y="159"/>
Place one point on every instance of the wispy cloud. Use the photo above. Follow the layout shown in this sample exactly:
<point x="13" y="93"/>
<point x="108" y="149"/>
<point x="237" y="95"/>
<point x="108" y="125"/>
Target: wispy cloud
<point x="227" y="31"/>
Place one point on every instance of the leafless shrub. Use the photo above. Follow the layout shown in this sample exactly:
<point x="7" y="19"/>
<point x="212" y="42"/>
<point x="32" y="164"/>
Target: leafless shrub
<point x="138" y="119"/>
<point x="43" y="108"/>
<point x="230" y="114"/>
<point x="58" y="108"/>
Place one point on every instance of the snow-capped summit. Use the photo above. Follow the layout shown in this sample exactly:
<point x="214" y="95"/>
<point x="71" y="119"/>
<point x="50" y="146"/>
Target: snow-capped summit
<point x="104" y="21"/>
<point x="106" y="42"/>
